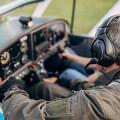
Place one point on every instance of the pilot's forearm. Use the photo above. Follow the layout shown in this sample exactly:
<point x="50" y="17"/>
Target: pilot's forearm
<point x="18" y="106"/>
<point x="80" y="60"/>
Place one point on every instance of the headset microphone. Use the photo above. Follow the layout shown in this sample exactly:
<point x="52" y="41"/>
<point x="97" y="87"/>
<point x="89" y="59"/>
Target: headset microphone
<point x="92" y="61"/>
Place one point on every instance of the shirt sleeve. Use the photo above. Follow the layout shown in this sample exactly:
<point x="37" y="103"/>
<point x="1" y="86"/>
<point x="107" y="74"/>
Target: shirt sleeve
<point x="98" y="103"/>
<point x="17" y="106"/>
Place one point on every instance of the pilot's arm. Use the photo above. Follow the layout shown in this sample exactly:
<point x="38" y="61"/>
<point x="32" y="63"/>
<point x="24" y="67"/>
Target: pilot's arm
<point x="78" y="59"/>
<point x="84" y="105"/>
<point x="17" y="106"/>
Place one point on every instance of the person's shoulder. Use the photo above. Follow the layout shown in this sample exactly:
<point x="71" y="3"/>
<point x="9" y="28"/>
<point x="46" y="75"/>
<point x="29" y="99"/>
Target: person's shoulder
<point x="102" y="91"/>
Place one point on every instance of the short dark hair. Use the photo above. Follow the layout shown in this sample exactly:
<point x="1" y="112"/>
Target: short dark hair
<point x="113" y="34"/>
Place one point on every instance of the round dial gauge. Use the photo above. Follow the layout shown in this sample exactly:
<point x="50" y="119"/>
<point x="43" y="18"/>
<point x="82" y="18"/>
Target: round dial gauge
<point x="5" y="57"/>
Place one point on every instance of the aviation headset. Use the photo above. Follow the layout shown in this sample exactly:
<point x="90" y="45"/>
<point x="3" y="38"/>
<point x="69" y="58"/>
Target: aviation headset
<point x="102" y="48"/>
<point x="103" y="51"/>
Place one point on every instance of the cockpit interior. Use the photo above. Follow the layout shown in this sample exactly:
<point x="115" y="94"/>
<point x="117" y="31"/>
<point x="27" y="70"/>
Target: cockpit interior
<point x="31" y="53"/>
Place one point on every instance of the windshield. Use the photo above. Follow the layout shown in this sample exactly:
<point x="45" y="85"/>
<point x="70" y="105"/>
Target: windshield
<point x="86" y="13"/>
<point x="28" y="10"/>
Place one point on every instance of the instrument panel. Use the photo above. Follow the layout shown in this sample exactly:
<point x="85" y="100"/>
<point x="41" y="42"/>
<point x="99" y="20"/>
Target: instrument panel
<point x="47" y="37"/>
<point x="14" y="57"/>
<point x="33" y="45"/>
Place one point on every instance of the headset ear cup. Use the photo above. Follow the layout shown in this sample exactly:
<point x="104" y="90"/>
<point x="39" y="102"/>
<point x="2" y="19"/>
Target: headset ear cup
<point x="99" y="51"/>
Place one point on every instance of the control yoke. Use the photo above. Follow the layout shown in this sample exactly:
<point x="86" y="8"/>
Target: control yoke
<point x="65" y="61"/>
<point x="60" y="49"/>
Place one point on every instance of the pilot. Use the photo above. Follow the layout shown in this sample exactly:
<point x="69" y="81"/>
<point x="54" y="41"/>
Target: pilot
<point x="96" y="103"/>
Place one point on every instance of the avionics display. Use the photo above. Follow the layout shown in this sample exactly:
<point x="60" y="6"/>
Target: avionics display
<point x="39" y="37"/>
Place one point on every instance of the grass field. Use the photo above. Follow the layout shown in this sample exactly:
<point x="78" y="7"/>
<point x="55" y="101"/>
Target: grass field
<point x="2" y="2"/>
<point x="26" y="10"/>
<point x="87" y="14"/>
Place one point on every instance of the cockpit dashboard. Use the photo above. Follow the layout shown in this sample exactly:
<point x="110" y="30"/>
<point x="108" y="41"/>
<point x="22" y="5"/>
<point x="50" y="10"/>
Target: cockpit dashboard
<point x="20" y="46"/>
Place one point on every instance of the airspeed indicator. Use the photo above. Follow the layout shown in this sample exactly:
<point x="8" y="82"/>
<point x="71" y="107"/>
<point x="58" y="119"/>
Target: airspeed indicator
<point x="5" y="57"/>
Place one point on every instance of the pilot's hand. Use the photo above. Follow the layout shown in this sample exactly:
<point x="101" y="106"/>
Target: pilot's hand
<point x="50" y="80"/>
<point x="7" y="85"/>
<point x="66" y="54"/>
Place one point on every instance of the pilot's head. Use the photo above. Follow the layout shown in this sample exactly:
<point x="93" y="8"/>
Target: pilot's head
<point x="106" y="44"/>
